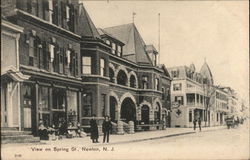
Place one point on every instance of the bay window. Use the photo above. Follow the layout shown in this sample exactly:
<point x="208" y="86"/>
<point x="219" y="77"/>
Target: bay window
<point x="86" y="64"/>
<point x="102" y="67"/>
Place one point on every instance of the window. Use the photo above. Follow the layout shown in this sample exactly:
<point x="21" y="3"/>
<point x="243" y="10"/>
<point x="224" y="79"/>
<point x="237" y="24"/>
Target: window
<point x="50" y="11"/>
<point x="113" y="48"/>
<point x="190" y="116"/>
<point x="72" y="107"/>
<point x="132" y="81"/>
<point x="119" y="51"/>
<point x="52" y="52"/>
<point x="59" y="98"/>
<point x="102" y="67"/>
<point x="177" y="87"/>
<point x="144" y="82"/>
<point x="179" y="99"/>
<point x="43" y="98"/>
<point x="163" y="92"/>
<point x="67" y="13"/>
<point x="86" y="64"/>
<point x="111" y="75"/>
<point x="121" y="78"/>
<point x="175" y="73"/>
<point x="108" y="42"/>
<point x="87" y="105"/>
<point x="33" y="49"/>
<point x="157" y="84"/>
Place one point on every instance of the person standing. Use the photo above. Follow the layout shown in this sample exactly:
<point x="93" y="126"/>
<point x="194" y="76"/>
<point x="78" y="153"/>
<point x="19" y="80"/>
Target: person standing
<point x="194" y="122"/>
<point x="199" y="123"/>
<point x="106" y="127"/>
<point x="94" y="130"/>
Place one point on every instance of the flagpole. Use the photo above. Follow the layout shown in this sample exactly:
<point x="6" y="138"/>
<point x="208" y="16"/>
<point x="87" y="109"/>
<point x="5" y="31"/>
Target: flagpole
<point x="159" y="39"/>
<point x="133" y="16"/>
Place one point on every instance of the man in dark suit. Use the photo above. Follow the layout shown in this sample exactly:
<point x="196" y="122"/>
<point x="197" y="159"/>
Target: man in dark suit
<point x="94" y="130"/>
<point x="106" y="127"/>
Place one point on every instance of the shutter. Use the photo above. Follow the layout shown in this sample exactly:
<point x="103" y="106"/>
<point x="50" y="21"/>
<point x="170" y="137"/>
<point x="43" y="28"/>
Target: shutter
<point x="45" y="56"/>
<point x="56" y="60"/>
<point x="72" y="18"/>
<point x="63" y="14"/>
<point x="35" y="49"/>
<point x="46" y="10"/>
<point x="55" y="12"/>
<point x="76" y="65"/>
<point x="61" y="60"/>
<point x="40" y="54"/>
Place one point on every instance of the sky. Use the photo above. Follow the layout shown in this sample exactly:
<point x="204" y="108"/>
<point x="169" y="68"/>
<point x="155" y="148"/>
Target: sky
<point x="190" y="32"/>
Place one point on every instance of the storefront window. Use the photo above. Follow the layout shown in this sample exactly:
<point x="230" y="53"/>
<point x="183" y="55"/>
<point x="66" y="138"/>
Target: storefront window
<point x="72" y="107"/>
<point x="58" y="96"/>
<point x="43" y="99"/>
<point x="87" y="105"/>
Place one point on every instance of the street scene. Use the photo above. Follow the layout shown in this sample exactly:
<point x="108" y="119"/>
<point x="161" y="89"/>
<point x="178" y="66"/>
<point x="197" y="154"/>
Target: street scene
<point x="124" y="80"/>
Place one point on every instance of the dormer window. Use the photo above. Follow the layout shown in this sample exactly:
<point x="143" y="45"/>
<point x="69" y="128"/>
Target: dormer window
<point x="175" y="73"/>
<point x="107" y="42"/>
<point x="119" y="51"/>
<point x="113" y="48"/>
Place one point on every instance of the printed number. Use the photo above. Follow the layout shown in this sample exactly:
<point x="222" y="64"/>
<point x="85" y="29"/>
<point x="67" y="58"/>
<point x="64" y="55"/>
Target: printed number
<point x="18" y="155"/>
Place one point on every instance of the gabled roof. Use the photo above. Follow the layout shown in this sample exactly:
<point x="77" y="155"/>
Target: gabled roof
<point x="205" y="70"/>
<point x="103" y="33"/>
<point x="87" y="28"/>
<point x="134" y="48"/>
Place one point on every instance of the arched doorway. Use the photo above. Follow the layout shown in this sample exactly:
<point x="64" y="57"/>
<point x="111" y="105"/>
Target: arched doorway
<point x="128" y="111"/>
<point x="113" y="105"/>
<point x="157" y="112"/>
<point x="145" y="114"/>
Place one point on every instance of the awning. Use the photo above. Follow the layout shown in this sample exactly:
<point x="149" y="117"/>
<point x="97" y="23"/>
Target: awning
<point x="15" y="75"/>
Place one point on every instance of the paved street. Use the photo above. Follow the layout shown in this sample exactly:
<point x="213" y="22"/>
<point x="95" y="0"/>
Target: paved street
<point x="210" y="144"/>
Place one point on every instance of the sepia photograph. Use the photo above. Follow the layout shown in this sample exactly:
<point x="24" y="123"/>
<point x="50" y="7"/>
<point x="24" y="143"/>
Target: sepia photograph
<point x="125" y="80"/>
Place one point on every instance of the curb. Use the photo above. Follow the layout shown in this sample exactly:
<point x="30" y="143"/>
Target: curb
<point x="152" y="138"/>
<point x="160" y="137"/>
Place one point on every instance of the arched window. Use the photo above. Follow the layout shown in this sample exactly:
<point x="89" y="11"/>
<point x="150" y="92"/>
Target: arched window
<point x="157" y="84"/>
<point x="132" y="81"/>
<point x="122" y="78"/>
<point x="111" y="74"/>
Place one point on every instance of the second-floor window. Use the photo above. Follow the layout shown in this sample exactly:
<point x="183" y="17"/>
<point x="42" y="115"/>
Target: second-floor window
<point x="86" y="64"/>
<point x="52" y="52"/>
<point x="177" y="87"/>
<point x="102" y="67"/>
<point x="157" y="84"/>
<point x="179" y="99"/>
<point x="144" y="82"/>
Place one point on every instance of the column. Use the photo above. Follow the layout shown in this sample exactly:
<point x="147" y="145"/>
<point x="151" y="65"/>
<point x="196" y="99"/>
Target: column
<point x="195" y="97"/>
<point x="79" y="107"/>
<point x="107" y="105"/>
<point x="36" y="109"/>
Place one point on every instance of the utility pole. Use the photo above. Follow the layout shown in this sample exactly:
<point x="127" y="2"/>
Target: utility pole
<point x="159" y="37"/>
<point x="133" y="17"/>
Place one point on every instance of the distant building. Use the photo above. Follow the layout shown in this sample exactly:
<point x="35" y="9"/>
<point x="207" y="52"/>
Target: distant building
<point x="190" y="94"/>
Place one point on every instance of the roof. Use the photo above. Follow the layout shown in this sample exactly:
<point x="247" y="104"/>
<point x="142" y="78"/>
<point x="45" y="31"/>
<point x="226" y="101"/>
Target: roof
<point x="103" y="33"/>
<point x="88" y="28"/>
<point x="134" y="48"/>
<point x="151" y="48"/>
<point x="205" y="70"/>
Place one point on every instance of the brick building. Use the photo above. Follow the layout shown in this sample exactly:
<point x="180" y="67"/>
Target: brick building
<point x="76" y="70"/>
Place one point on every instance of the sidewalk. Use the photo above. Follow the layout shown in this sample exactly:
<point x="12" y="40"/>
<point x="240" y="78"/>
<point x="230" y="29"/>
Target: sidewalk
<point x="127" y="138"/>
